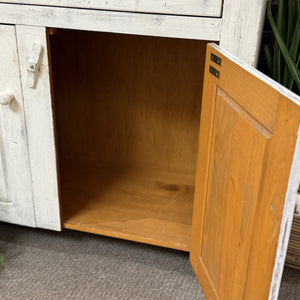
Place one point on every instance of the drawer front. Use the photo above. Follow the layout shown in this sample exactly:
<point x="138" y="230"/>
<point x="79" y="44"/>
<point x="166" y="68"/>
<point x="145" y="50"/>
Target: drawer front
<point x="208" y="8"/>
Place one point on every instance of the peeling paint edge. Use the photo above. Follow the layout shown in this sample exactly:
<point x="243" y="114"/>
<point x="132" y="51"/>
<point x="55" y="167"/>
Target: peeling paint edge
<point x="286" y="223"/>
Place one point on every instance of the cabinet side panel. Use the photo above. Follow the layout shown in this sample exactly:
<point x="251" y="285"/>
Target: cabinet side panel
<point x="241" y="30"/>
<point x="39" y="119"/>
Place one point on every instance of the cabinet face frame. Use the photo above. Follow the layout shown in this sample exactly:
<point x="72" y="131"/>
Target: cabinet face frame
<point x="244" y="203"/>
<point x="240" y="38"/>
<point x="40" y="128"/>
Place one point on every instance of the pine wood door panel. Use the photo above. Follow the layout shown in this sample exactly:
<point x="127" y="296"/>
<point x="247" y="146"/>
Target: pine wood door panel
<point x="247" y="140"/>
<point x="236" y="171"/>
<point x="16" y="198"/>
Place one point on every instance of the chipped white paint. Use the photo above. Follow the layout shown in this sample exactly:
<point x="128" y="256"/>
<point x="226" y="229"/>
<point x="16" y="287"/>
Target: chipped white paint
<point x="112" y="21"/>
<point x="209" y="8"/>
<point x="238" y="30"/>
<point x="297" y="207"/>
<point x="33" y="64"/>
<point x="40" y="129"/>
<point x="286" y="223"/>
<point x="16" y="198"/>
<point x="6" y="97"/>
<point x="241" y="30"/>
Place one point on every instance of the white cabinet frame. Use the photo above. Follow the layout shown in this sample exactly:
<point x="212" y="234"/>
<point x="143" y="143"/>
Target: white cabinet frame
<point x="238" y="30"/>
<point x="40" y="128"/>
<point x="204" y="8"/>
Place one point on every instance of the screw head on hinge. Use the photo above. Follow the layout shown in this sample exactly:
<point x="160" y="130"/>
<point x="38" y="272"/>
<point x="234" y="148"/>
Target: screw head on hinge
<point x="216" y="59"/>
<point x="214" y="71"/>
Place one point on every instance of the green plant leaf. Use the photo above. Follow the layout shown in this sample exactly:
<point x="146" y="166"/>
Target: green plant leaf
<point x="294" y="47"/>
<point x="291" y="21"/>
<point x="290" y="86"/>
<point x="269" y="59"/>
<point x="281" y="23"/>
<point x="289" y="61"/>
<point x="292" y="39"/>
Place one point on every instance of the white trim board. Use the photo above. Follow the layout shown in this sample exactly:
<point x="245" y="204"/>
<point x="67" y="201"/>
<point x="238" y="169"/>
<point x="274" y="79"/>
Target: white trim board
<point x="204" y="8"/>
<point x="112" y="21"/>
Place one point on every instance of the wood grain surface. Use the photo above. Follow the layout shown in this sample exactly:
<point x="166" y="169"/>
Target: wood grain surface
<point x="128" y="100"/>
<point x="242" y="179"/>
<point x="128" y="111"/>
<point x="142" y="205"/>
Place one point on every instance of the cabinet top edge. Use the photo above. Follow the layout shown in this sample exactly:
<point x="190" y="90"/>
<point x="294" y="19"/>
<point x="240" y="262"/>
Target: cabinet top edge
<point x="112" y="21"/>
<point x="196" y="8"/>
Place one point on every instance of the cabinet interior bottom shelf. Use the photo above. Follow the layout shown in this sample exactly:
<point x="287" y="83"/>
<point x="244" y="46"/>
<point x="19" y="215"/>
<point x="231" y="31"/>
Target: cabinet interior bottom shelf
<point x="142" y="205"/>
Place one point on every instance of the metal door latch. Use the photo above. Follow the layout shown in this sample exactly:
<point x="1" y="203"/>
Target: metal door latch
<point x="33" y="64"/>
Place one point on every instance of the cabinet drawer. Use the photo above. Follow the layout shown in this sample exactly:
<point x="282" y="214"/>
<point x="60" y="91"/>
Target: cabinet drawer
<point x="208" y="8"/>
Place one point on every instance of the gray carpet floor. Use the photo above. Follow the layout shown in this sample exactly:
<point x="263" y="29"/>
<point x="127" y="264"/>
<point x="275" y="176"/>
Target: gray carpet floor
<point x="41" y="264"/>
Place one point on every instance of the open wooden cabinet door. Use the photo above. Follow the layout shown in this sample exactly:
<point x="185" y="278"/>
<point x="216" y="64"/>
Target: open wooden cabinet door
<point x="246" y="182"/>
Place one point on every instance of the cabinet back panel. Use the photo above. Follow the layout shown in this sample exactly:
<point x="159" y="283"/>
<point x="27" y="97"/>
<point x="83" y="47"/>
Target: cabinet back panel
<point x="128" y="100"/>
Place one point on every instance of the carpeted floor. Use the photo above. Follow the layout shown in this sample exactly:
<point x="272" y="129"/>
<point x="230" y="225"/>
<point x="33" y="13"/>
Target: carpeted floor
<point x="41" y="264"/>
<point x="290" y="285"/>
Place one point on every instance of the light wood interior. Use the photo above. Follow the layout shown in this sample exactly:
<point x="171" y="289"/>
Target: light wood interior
<point x="127" y="118"/>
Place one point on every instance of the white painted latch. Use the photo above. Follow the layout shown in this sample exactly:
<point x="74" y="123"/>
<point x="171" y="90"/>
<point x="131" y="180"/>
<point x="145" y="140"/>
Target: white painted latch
<point x="6" y="97"/>
<point x="33" y="64"/>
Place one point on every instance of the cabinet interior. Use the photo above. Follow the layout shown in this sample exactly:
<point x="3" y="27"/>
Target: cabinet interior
<point x="127" y="111"/>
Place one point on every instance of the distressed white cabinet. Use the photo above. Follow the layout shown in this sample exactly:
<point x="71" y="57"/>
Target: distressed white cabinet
<point x="40" y="127"/>
<point x="114" y="100"/>
<point x="28" y="184"/>
<point x="16" y="197"/>
<point x="236" y="25"/>
<point x="31" y="172"/>
<point x="210" y="8"/>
